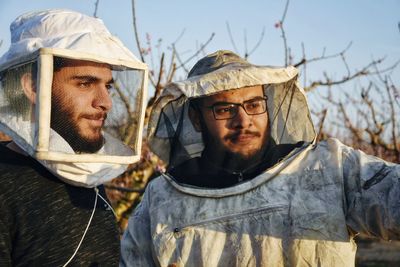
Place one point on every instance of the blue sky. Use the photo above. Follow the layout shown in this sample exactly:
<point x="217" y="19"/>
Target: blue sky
<point x="371" y="26"/>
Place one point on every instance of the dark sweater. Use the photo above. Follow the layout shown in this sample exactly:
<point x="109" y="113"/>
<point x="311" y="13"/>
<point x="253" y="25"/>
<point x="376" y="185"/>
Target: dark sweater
<point x="42" y="219"/>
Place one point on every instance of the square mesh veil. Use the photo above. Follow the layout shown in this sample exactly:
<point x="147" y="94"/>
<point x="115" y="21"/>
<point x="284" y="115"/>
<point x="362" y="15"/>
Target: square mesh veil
<point x="73" y="109"/>
<point x="17" y="112"/>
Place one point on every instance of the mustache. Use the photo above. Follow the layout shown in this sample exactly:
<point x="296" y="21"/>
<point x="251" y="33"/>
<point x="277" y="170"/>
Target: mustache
<point x="95" y="116"/>
<point x="236" y="134"/>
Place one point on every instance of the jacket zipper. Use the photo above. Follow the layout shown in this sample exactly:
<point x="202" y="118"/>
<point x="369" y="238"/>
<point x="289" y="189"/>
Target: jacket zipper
<point x="270" y="208"/>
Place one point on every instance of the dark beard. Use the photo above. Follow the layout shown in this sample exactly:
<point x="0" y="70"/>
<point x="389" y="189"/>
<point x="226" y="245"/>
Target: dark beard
<point x="229" y="160"/>
<point x="232" y="161"/>
<point x="63" y="124"/>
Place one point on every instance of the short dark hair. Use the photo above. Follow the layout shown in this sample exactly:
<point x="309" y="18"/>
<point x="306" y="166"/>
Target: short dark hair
<point x="58" y="63"/>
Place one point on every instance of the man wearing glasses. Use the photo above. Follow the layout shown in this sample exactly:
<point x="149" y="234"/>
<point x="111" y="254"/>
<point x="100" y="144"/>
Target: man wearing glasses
<point x="247" y="184"/>
<point x="234" y="128"/>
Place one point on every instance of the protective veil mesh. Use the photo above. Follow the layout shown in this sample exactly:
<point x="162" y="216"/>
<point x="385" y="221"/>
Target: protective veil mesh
<point x="17" y="113"/>
<point x="95" y="108"/>
<point x="71" y="91"/>
<point x="172" y="135"/>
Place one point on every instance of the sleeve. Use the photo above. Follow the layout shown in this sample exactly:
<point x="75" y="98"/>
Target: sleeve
<point x="372" y="195"/>
<point x="136" y="242"/>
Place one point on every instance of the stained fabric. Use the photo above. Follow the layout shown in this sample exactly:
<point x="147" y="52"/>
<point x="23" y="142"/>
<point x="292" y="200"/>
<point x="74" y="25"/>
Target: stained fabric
<point x="301" y="205"/>
<point x="298" y="213"/>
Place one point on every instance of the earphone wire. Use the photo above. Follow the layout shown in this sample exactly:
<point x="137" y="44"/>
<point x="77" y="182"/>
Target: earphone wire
<point x="87" y="227"/>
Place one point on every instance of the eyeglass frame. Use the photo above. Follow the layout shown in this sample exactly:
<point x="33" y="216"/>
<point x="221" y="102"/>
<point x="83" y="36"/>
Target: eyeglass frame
<point x="237" y="105"/>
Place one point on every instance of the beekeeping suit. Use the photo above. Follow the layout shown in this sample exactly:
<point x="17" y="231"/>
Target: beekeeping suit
<point x="72" y="99"/>
<point x="302" y="209"/>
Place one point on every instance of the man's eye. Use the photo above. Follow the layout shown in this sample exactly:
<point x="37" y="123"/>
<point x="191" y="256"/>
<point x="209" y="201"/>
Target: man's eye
<point x="84" y="84"/>
<point x="255" y="105"/>
<point x="223" y="109"/>
<point x="109" y="86"/>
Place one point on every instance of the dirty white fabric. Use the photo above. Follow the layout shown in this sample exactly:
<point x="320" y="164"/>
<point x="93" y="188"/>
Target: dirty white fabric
<point x="302" y="211"/>
<point x="296" y="214"/>
<point x="86" y="174"/>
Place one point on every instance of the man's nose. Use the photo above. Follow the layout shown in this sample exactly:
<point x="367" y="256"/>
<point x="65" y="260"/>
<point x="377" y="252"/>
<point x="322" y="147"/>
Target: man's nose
<point x="242" y="119"/>
<point x="102" y="98"/>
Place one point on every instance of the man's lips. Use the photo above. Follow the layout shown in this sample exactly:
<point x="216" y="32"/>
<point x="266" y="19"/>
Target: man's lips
<point x="97" y="119"/>
<point x="242" y="136"/>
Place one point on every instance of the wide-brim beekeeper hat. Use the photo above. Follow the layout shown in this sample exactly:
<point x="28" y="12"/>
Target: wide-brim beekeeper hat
<point x="171" y="134"/>
<point x="38" y="40"/>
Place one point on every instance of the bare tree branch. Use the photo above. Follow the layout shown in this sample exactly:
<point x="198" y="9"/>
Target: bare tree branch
<point x="393" y="119"/>
<point x="304" y="65"/>
<point x="321" y="125"/>
<point x="370" y="105"/>
<point x="323" y="56"/>
<point x="172" y="68"/>
<point x="280" y="25"/>
<point x="363" y="72"/>
<point x="247" y="53"/>
<point x="285" y="11"/>
<point x="231" y="38"/>
<point x="349" y="125"/>
<point x="179" y="36"/>
<point x="135" y="30"/>
<point x="345" y="64"/>
<point x="196" y="53"/>
<point x="160" y="73"/>
<point x="258" y="42"/>
<point x="182" y="64"/>
<point x="124" y="100"/>
<point x="245" y="44"/>
<point x="96" y="6"/>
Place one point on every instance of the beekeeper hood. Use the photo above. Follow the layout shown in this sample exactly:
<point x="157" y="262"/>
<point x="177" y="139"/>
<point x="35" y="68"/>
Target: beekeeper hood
<point x="171" y="133"/>
<point x="72" y="96"/>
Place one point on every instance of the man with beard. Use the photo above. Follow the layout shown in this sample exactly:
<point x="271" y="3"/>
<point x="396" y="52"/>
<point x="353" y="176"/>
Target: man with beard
<point x="235" y="132"/>
<point x="246" y="182"/>
<point x="81" y="101"/>
<point x="56" y="91"/>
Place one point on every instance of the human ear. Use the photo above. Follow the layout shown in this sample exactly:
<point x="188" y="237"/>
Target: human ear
<point x="29" y="87"/>
<point x="194" y="116"/>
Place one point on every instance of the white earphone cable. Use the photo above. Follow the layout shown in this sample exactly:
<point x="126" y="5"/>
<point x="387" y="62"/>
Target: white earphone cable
<point x="87" y="227"/>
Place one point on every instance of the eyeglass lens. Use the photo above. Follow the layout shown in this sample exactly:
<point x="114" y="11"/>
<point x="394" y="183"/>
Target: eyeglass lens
<point x="229" y="110"/>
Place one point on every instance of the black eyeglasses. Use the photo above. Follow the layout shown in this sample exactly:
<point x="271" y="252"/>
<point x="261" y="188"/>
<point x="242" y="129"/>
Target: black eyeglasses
<point x="226" y="111"/>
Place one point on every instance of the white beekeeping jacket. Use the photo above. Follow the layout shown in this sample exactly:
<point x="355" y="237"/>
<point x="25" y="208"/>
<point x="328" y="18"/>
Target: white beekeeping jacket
<point x="302" y="211"/>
